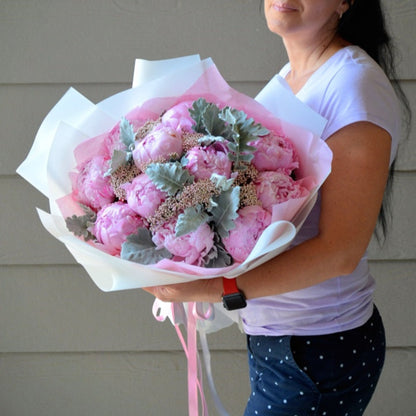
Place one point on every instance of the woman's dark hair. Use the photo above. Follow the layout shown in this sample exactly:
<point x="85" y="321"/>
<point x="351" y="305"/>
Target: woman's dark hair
<point x="364" y="25"/>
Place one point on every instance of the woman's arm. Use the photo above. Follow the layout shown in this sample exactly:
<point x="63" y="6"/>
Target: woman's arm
<point x="351" y="200"/>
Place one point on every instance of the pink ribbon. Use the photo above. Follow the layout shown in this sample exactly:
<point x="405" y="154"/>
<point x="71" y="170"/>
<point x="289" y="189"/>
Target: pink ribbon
<point x="177" y="315"/>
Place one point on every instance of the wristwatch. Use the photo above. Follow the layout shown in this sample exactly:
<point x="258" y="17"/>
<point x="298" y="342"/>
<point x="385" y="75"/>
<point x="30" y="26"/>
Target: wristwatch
<point x="232" y="297"/>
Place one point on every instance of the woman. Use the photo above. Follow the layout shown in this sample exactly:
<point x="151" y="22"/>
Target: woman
<point x="316" y="342"/>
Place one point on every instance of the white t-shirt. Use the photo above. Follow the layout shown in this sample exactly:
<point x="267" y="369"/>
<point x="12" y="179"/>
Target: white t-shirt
<point x="349" y="87"/>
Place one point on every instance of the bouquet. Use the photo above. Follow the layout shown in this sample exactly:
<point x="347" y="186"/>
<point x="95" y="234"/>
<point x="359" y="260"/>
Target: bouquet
<point x="178" y="178"/>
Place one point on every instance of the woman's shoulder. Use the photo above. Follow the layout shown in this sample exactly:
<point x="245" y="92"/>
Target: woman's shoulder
<point x="357" y="89"/>
<point x="352" y="70"/>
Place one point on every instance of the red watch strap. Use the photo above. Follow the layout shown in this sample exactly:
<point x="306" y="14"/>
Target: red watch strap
<point x="229" y="286"/>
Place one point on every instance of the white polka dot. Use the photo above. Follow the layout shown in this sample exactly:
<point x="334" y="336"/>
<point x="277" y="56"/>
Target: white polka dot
<point x="308" y="342"/>
<point x="301" y="393"/>
<point x="341" y="365"/>
<point x="269" y="406"/>
<point x="284" y="401"/>
<point x="321" y="357"/>
<point x="354" y="351"/>
<point x="364" y="364"/>
<point x="341" y="338"/>
<point x="266" y="358"/>
<point x="270" y="350"/>
<point x="341" y="402"/>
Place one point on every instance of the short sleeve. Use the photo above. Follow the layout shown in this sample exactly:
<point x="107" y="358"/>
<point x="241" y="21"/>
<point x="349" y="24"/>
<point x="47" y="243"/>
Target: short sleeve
<point x="357" y="93"/>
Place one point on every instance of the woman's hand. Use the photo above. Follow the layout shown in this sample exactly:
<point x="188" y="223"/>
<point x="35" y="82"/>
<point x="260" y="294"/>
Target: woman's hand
<point x="204" y="290"/>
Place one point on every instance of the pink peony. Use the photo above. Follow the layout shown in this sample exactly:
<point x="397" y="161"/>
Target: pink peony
<point x="159" y="145"/>
<point x="90" y="186"/>
<point x="249" y="225"/>
<point x="203" y="162"/>
<point x="276" y="187"/>
<point x="178" y="118"/>
<point x="190" y="248"/>
<point x="274" y="152"/>
<point x="114" y="223"/>
<point x="142" y="195"/>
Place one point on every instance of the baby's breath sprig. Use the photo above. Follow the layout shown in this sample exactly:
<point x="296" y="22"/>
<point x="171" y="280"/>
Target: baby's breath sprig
<point x="123" y="174"/>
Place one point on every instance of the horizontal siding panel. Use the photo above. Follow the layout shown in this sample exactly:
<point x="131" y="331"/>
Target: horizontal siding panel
<point x="155" y="384"/>
<point x="20" y="223"/>
<point x="98" y="40"/>
<point x="60" y="309"/>
<point x="400" y="243"/>
<point x="55" y="308"/>
<point x="394" y="297"/>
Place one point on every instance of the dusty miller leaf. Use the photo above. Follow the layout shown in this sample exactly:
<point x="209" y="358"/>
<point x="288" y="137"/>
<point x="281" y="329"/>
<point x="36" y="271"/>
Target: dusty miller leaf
<point x="79" y="225"/>
<point x="127" y="135"/>
<point x="140" y="248"/>
<point x="208" y="140"/>
<point x="207" y="120"/>
<point x="169" y="177"/>
<point x="119" y="158"/>
<point x="197" y="113"/>
<point x="221" y="182"/>
<point x="243" y="131"/>
<point x="190" y="220"/>
<point x="218" y="256"/>
<point x="225" y="212"/>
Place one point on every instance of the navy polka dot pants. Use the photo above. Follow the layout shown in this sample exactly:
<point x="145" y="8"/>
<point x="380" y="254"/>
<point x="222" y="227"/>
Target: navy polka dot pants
<point x="324" y="375"/>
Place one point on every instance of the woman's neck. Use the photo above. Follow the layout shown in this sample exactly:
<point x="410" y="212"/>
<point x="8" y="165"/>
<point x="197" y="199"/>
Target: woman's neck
<point x="306" y="57"/>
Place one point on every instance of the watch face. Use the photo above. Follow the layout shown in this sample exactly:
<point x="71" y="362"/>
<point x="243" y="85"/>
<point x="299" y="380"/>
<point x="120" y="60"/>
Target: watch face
<point x="234" y="301"/>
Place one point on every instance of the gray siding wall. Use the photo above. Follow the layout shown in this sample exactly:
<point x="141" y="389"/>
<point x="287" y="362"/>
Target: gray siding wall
<point x="66" y="348"/>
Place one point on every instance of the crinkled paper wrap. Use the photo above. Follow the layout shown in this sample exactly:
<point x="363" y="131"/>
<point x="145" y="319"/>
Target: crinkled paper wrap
<point x="74" y="120"/>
